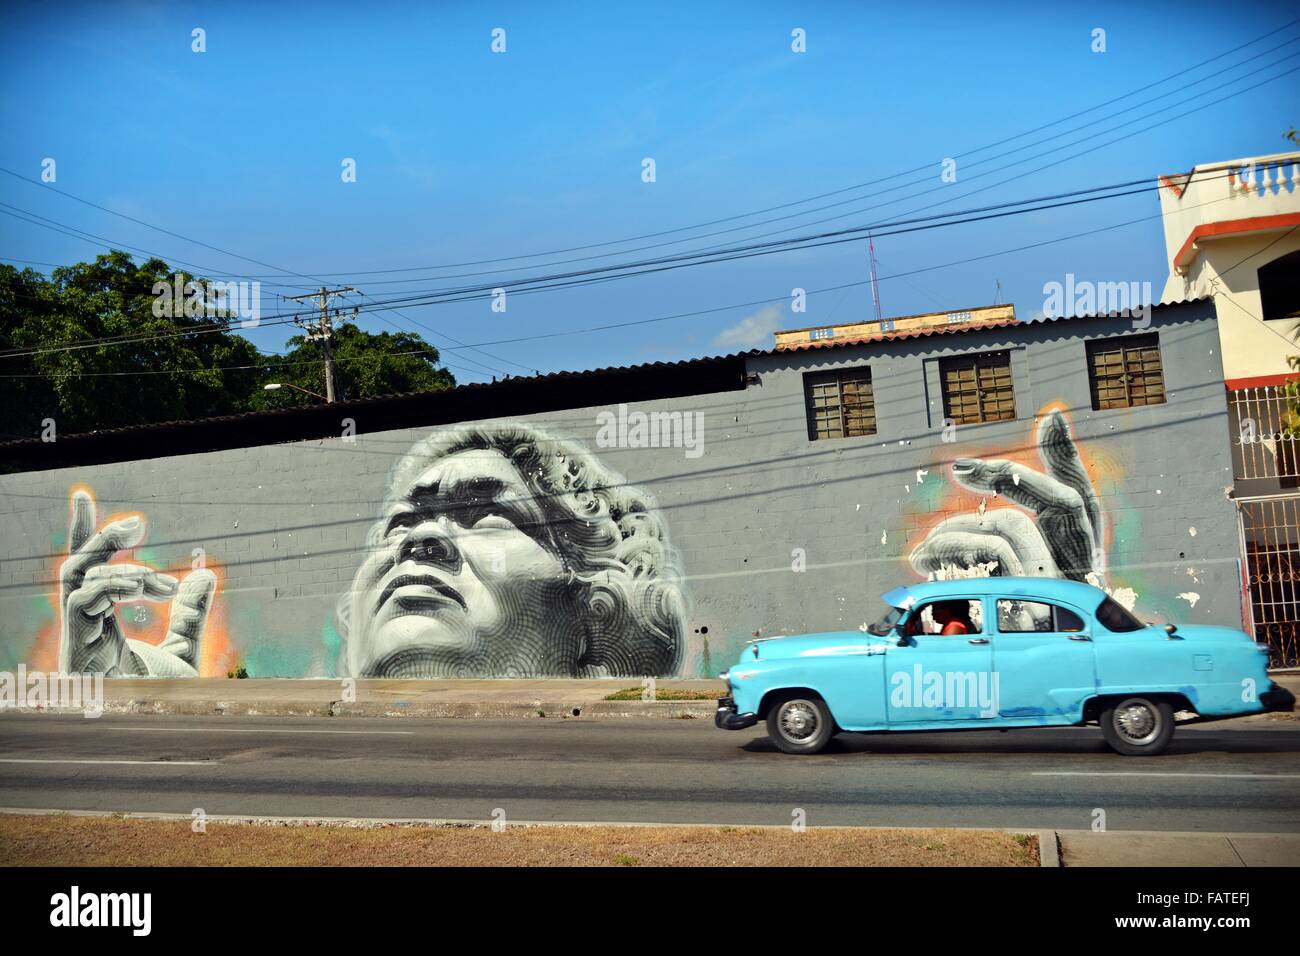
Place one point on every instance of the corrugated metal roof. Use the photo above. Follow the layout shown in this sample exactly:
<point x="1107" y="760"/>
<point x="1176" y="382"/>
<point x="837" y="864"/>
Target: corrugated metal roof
<point x="413" y="397"/>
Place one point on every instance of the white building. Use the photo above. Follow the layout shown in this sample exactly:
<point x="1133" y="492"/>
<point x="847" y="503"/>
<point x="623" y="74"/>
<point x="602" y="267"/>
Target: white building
<point x="1232" y="231"/>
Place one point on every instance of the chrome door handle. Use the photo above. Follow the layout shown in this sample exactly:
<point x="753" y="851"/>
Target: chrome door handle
<point x="1080" y="637"/>
<point x="978" y="640"/>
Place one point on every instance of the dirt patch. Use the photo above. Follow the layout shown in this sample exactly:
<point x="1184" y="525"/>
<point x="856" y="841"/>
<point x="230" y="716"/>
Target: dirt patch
<point x="54" y="840"/>
<point x="634" y="693"/>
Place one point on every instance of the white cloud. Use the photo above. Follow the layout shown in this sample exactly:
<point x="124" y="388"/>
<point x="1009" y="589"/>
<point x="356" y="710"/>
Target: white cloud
<point x="753" y="331"/>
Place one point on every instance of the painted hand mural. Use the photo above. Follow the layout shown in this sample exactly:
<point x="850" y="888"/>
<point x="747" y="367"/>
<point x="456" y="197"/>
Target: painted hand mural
<point x="91" y="584"/>
<point x="1063" y="538"/>
<point x="504" y="552"/>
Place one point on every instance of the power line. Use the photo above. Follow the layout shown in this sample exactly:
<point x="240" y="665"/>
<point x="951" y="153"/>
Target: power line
<point x="73" y="232"/>
<point x="444" y="335"/>
<point x="662" y="264"/>
<point x="55" y="226"/>
<point x="894" y="189"/>
<point x="714" y="255"/>
<point x="751" y="467"/>
<point x="799" y="243"/>
<point x="719" y="255"/>
<point x="477" y="293"/>
<point x="734" y="217"/>
<point x="1039" y="169"/>
<point x="269" y="365"/>
<point x="323" y="330"/>
<point x="835" y="288"/>
<point x="1258" y="318"/>
<point x="919" y="168"/>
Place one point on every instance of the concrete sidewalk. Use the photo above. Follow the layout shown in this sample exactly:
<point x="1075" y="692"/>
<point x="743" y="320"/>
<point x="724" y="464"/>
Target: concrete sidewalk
<point x="1158" y="848"/>
<point x="433" y="698"/>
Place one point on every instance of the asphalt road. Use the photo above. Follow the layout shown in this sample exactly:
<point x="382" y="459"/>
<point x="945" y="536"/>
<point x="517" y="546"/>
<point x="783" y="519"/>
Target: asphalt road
<point x="1224" y="777"/>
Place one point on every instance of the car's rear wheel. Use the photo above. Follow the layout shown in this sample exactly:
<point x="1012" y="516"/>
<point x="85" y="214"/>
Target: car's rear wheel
<point x="800" y="724"/>
<point x="1137" y="726"/>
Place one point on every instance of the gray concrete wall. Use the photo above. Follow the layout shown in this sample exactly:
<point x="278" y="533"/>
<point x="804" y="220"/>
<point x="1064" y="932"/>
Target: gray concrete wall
<point x="767" y="532"/>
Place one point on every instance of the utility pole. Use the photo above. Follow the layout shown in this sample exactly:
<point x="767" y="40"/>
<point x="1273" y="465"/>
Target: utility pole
<point x="322" y="330"/>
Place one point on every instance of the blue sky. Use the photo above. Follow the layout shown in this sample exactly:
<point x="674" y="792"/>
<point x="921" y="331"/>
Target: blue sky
<point x="464" y="155"/>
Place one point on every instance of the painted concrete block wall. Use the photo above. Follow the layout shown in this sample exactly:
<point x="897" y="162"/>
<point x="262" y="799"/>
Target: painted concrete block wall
<point x="743" y="526"/>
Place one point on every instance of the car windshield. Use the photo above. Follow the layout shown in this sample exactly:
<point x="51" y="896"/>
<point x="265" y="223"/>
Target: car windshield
<point x="886" y="623"/>
<point x="1114" y="617"/>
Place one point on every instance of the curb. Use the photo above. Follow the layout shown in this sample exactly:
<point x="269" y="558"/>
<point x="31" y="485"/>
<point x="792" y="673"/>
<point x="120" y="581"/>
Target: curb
<point x="1049" y="848"/>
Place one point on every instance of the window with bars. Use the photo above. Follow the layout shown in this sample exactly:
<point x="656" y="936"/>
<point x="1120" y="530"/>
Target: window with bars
<point x="978" y="388"/>
<point x="1264" y="446"/>
<point x="1126" y="372"/>
<point x="840" y="403"/>
<point x="1271" y="533"/>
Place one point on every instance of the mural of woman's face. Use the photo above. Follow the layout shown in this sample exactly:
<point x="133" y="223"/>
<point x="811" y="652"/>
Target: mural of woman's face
<point x="464" y="581"/>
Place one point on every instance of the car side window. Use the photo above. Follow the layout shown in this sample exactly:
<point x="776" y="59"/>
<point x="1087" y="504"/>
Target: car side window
<point x="950" y="617"/>
<point x="1115" y="618"/>
<point x="1067" y="621"/>
<point x="1018" y="617"/>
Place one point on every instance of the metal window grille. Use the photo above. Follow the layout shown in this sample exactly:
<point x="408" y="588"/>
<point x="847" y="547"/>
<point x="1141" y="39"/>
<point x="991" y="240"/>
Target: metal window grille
<point x="1263" y="446"/>
<point x="840" y="404"/>
<point x="1270" y="529"/>
<point x="978" y="388"/>
<point x="1126" y="372"/>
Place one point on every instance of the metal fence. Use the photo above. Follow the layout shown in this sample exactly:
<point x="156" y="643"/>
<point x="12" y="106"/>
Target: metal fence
<point x="1270" y="529"/>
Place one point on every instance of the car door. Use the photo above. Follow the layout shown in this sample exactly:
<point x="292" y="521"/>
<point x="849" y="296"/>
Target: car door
<point x="941" y="677"/>
<point x="1044" y="659"/>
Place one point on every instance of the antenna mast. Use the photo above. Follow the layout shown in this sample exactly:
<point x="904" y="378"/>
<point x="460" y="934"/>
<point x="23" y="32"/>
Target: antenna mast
<point x="875" y="288"/>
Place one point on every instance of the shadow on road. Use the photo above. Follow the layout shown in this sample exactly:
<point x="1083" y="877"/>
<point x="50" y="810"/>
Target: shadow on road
<point x="1054" y="741"/>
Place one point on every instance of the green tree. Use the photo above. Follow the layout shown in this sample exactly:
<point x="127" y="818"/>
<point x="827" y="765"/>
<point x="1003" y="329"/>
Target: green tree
<point x="366" y="364"/>
<point x="154" y="375"/>
<point x="61" y="368"/>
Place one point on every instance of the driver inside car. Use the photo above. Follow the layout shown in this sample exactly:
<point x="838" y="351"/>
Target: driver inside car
<point x="951" y="617"/>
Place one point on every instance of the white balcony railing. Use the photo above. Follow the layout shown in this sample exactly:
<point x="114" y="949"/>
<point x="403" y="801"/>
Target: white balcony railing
<point x="1263" y="176"/>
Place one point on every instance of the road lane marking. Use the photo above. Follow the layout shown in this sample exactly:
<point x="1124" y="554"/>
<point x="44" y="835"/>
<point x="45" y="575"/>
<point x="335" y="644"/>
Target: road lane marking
<point x="130" y="763"/>
<point x="1157" y="773"/>
<point x="259" y="730"/>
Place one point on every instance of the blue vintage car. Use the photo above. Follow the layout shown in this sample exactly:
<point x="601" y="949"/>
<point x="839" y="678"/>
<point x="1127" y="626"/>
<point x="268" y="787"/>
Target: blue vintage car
<point x="978" y="653"/>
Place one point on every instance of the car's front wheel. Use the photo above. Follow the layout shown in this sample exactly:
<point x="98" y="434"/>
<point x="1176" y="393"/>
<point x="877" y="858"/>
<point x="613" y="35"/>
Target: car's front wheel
<point x="1137" y="726"/>
<point x="800" y="724"/>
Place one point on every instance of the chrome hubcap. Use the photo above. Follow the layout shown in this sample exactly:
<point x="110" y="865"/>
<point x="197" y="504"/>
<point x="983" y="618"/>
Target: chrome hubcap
<point x="798" y="720"/>
<point x="1137" y="721"/>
